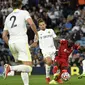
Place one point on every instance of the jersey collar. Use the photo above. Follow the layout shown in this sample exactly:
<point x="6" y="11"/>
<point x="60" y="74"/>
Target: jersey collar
<point x="16" y="10"/>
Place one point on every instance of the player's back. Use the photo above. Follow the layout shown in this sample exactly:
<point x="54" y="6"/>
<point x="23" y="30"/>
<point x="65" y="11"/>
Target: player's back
<point x="16" y="24"/>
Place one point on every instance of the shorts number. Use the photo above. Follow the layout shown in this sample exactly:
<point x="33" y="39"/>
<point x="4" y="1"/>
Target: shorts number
<point x="13" y="23"/>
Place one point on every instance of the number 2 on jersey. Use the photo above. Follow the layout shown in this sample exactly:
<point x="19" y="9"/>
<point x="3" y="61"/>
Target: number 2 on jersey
<point x="13" y="18"/>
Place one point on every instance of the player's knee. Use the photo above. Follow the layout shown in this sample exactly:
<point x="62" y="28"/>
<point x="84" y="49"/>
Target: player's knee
<point x="29" y="65"/>
<point x="48" y="61"/>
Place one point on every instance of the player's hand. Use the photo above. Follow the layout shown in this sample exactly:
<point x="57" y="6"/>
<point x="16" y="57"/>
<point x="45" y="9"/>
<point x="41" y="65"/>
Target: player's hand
<point x="36" y="38"/>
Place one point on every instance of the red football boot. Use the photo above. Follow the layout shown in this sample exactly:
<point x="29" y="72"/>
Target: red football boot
<point x="48" y="80"/>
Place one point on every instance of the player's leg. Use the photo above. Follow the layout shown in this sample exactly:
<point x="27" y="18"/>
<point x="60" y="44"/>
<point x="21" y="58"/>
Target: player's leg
<point x="21" y="53"/>
<point x="25" y="68"/>
<point x="25" y="57"/>
<point x="21" y="67"/>
<point x="55" y="69"/>
<point x="55" y="74"/>
<point x="15" y="55"/>
<point x="58" y="78"/>
<point x="18" y="68"/>
<point x="83" y="62"/>
<point x="63" y="68"/>
<point x="24" y="75"/>
<point x="27" y="61"/>
<point x="83" y="73"/>
<point x="48" y="62"/>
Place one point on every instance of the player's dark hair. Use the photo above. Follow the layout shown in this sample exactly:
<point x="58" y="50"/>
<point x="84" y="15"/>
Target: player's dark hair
<point x="16" y="3"/>
<point x="40" y="20"/>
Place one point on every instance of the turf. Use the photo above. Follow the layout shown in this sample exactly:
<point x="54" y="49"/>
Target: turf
<point x="39" y="80"/>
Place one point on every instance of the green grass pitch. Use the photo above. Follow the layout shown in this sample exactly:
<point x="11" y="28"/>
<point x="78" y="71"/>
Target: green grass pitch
<point x="38" y="80"/>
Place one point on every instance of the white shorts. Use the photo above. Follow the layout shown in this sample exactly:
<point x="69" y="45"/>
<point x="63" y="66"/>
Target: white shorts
<point x="20" y="51"/>
<point x="48" y="54"/>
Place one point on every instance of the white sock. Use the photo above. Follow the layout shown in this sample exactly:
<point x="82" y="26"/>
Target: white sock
<point x="47" y="69"/>
<point x="21" y="68"/>
<point x="25" y="78"/>
<point x="83" y="66"/>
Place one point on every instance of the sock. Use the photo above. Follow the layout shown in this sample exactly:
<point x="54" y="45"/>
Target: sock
<point x="47" y="69"/>
<point x="55" y="68"/>
<point x="55" y="72"/>
<point x="21" y="68"/>
<point x="83" y="66"/>
<point x="25" y="78"/>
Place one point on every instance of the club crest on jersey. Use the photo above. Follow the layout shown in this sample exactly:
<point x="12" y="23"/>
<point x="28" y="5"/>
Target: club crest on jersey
<point x="48" y="31"/>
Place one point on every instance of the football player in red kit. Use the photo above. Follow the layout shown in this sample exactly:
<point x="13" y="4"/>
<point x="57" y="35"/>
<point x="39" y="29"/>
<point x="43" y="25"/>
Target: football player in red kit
<point x="61" y="61"/>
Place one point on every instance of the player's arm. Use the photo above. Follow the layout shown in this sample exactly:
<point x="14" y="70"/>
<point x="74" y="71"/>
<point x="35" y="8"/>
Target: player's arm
<point x="35" y="43"/>
<point x="5" y="36"/>
<point x="33" y="27"/>
<point x="5" y="33"/>
<point x="55" y="37"/>
<point x="30" y="22"/>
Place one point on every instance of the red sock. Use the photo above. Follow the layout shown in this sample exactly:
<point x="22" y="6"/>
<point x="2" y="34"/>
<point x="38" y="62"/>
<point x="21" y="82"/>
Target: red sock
<point x="55" y="68"/>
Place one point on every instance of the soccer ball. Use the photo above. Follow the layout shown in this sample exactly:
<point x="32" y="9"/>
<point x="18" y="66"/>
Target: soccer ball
<point x="65" y="76"/>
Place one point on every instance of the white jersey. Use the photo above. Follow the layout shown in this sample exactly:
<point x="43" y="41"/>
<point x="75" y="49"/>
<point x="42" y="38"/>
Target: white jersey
<point x="15" y="23"/>
<point x="46" y="41"/>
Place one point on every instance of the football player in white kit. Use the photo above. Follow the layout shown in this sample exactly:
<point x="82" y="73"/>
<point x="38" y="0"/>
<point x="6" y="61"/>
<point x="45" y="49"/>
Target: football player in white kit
<point x="15" y="26"/>
<point x="46" y="44"/>
<point x="83" y="68"/>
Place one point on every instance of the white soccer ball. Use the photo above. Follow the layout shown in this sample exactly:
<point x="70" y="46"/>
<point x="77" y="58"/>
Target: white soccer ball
<point x="65" y="76"/>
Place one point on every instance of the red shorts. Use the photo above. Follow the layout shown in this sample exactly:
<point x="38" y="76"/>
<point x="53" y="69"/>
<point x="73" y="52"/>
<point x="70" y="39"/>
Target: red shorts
<point x="61" y="62"/>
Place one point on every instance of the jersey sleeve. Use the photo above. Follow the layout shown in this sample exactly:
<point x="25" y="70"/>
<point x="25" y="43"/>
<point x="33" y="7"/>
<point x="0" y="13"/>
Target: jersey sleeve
<point x="27" y="15"/>
<point x="53" y="33"/>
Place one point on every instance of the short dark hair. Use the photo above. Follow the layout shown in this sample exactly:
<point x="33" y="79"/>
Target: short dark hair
<point x="40" y="20"/>
<point x="16" y="3"/>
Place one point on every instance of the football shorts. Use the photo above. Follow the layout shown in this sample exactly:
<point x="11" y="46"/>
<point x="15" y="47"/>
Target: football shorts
<point x="20" y="51"/>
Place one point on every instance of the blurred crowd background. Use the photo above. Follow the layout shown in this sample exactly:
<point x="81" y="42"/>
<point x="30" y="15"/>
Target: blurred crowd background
<point x="65" y="17"/>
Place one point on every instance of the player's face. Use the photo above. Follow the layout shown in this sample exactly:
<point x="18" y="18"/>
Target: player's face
<point x="42" y="25"/>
